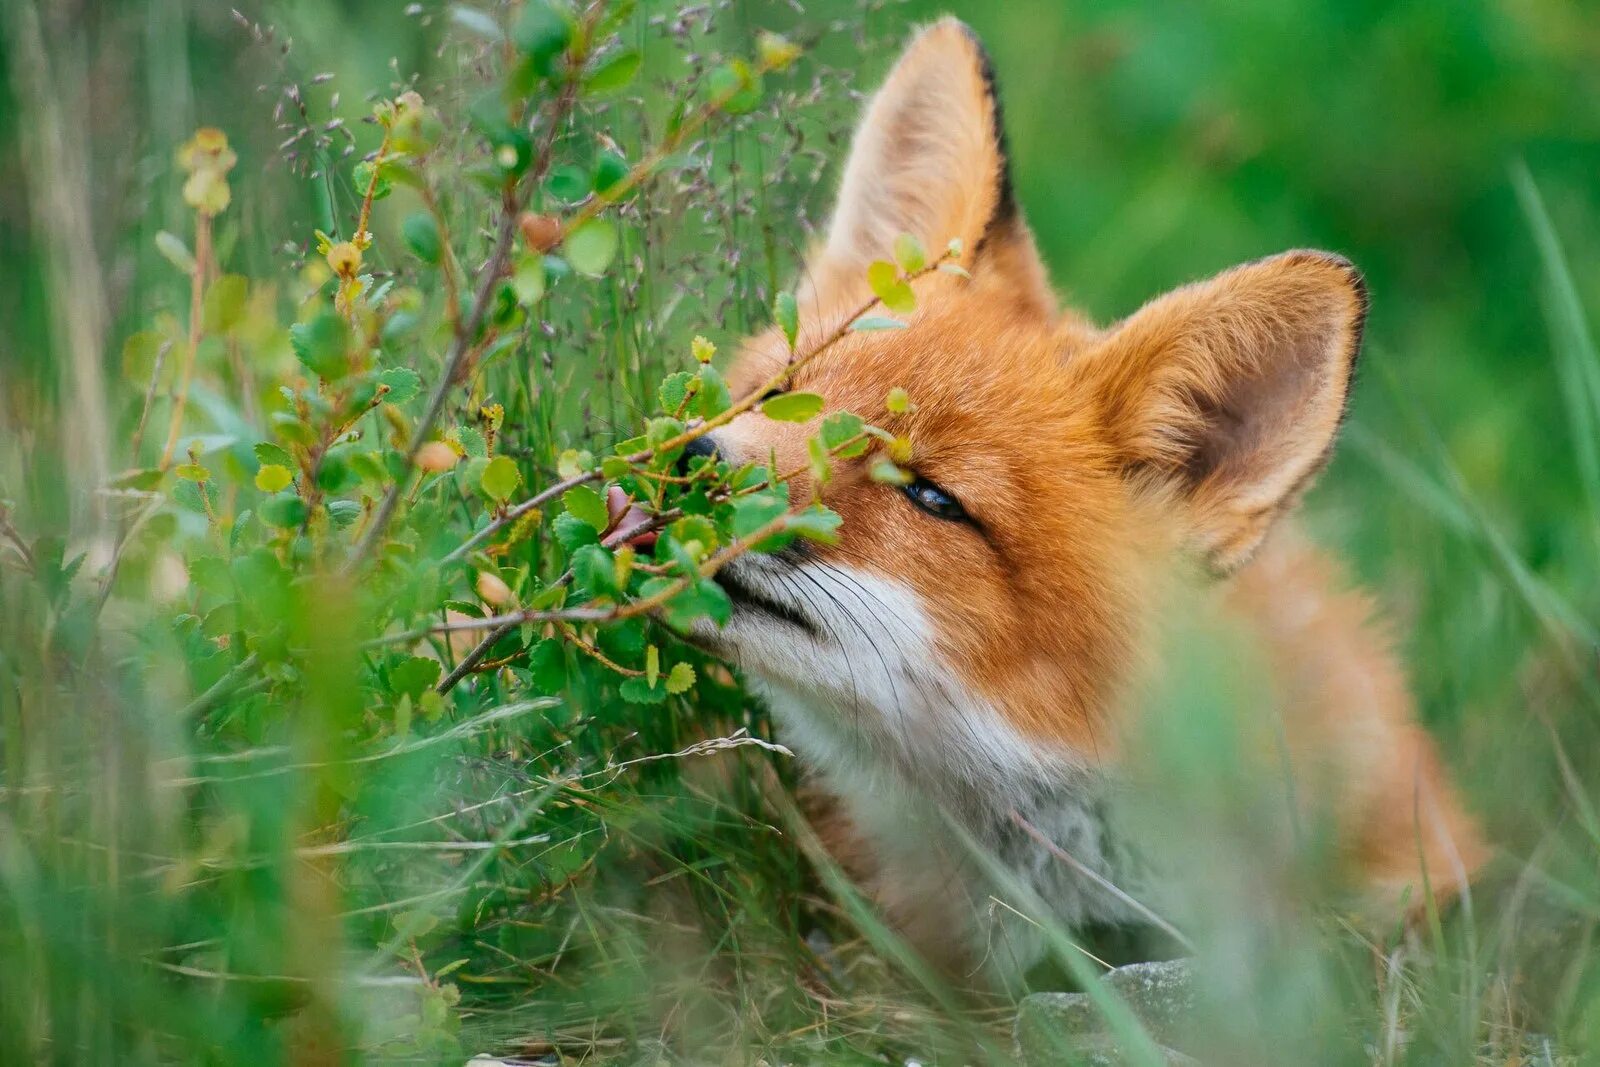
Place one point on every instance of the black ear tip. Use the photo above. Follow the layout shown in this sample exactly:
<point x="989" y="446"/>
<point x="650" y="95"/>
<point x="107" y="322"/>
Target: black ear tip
<point x="1006" y="203"/>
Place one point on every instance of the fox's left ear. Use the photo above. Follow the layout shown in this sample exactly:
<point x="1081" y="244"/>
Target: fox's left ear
<point x="1231" y="391"/>
<point x="929" y="159"/>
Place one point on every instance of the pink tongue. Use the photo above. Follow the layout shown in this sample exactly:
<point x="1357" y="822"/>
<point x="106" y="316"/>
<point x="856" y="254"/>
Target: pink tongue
<point x="625" y="517"/>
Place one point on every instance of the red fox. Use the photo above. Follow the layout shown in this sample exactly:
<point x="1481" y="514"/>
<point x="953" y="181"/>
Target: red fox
<point x="974" y="639"/>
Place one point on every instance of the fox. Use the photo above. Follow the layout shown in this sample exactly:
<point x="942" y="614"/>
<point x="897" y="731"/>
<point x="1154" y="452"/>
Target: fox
<point x="969" y="652"/>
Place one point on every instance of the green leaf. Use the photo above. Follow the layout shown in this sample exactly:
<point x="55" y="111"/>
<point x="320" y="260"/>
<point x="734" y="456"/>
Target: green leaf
<point x="414" y="924"/>
<point x="472" y="442"/>
<point x="888" y="473"/>
<point x="586" y="503"/>
<point x="321" y="345"/>
<point x="568" y="183"/>
<point x="139" y="353"/>
<point x="704" y="599"/>
<point x="527" y="279"/>
<point x="680" y="679"/>
<point x="143" y="479"/>
<point x="652" y="665"/>
<point x="714" y="395"/>
<point x="614" y="73"/>
<point x="225" y="302"/>
<point x="752" y="512"/>
<point x="411" y="676"/>
<point x="890" y="288"/>
<point x="500" y="478"/>
<point x="334" y="474"/>
<point x="572" y="533"/>
<point x="821" y="462"/>
<point x="786" y="312"/>
<point x="793" y="407"/>
<point x="868" y="323"/>
<point x="695" y="528"/>
<point x="572" y="462"/>
<point x="542" y="33"/>
<point x="674" y="390"/>
<point x="343" y="513"/>
<point x="273" y="478"/>
<point x="594" y="569"/>
<point x="547" y="666"/>
<point x="592" y="246"/>
<point x="659" y="431"/>
<point x="908" y="253"/>
<point x="609" y="170"/>
<point x="403" y="382"/>
<point x="736" y="86"/>
<point x="177" y="253"/>
<point x="421" y="235"/>
<point x="284" y="512"/>
<point x="840" y="427"/>
<point x="361" y="176"/>
<point x="638" y="691"/>
<point x="269" y="453"/>
<point x="817" y="523"/>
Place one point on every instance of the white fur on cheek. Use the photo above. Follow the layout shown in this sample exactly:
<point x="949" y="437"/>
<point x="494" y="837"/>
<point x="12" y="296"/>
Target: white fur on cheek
<point x="870" y="705"/>
<point x="874" y="682"/>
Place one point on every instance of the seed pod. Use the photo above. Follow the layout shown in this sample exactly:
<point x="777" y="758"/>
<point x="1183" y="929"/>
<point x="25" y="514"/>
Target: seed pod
<point x="436" y="456"/>
<point x="492" y="589"/>
<point x="542" y="232"/>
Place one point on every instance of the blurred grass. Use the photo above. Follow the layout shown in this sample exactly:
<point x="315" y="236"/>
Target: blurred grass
<point x="1449" y="148"/>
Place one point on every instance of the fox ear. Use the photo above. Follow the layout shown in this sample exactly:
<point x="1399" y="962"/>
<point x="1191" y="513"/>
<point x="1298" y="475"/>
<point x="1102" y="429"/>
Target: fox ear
<point x="1232" y="391"/>
<point x="929" y="159"/>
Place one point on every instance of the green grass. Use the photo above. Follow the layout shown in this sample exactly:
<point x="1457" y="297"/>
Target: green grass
<point x="260" y="877"/>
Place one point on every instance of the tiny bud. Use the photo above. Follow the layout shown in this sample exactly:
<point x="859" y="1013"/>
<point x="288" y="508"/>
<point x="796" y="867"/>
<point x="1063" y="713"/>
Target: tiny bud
<point x="777" y="52"/>
<point x="436" y="457"/>
<point x="703" y="350"/>
<point x="898" y="402"/>
<point x="345" y="259"/>
<point x="492" y="590"/>
<point x="541" y="232"/>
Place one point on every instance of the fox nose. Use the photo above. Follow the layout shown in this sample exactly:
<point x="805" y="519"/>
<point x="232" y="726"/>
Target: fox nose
<point x="700" y="446"/>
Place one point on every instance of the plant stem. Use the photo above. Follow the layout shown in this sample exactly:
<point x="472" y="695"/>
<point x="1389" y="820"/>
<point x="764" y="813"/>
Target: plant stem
<point x="197" y="291"/>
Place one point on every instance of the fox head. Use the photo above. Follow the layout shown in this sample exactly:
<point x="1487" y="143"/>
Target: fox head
<point x="986" y="614"/>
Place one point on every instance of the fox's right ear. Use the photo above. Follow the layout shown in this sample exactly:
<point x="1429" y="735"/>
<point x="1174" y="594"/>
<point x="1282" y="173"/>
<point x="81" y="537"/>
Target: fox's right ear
<point x="929" y="159"/>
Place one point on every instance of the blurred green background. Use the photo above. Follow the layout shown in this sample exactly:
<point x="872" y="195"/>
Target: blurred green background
<point x="1451" y="148"/>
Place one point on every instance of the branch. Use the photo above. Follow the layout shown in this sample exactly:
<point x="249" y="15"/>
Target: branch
<point x="696" y="430"/>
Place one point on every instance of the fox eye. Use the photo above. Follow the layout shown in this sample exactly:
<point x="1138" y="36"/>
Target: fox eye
<point x="770" y="393"/>
<point x="935" y="501"/>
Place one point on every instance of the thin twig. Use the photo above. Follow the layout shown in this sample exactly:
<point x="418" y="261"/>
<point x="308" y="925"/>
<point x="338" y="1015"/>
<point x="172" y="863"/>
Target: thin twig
<point x="149" y="399"/>
<point x="219" y="689"/>
<point x="632" y="609"/>
<point x="197" y="289"/>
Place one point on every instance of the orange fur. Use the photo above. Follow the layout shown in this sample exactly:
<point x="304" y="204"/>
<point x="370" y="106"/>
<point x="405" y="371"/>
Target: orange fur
<point x="1095" y="463"/>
